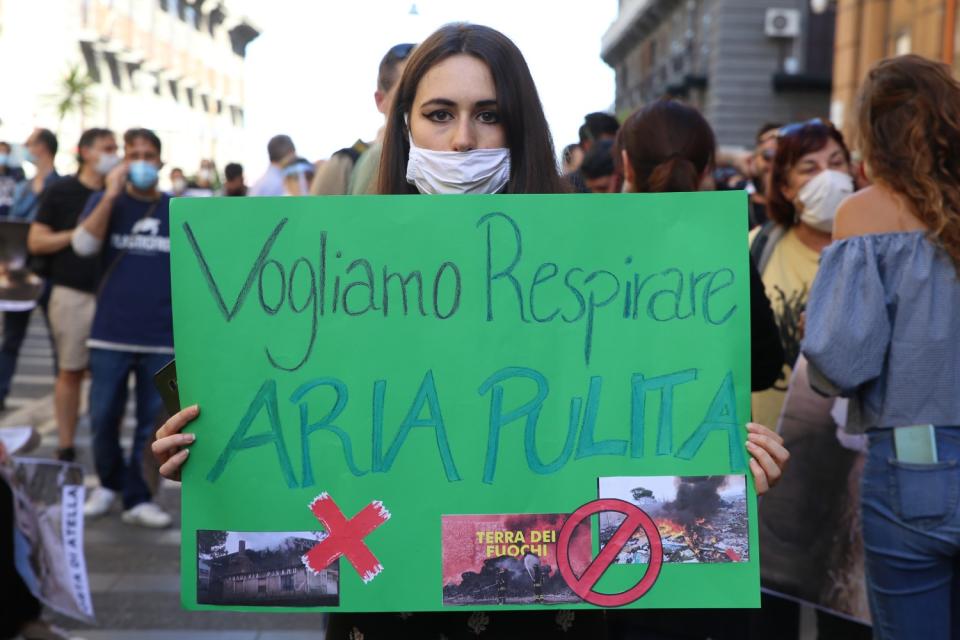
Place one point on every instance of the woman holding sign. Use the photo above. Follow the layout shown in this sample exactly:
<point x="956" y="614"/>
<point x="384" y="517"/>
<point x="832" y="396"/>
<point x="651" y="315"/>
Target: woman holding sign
<point x="466" y="119"/>
<point x="669" y="147"/>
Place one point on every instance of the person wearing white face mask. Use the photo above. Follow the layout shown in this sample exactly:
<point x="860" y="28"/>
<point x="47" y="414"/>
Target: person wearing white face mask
<point x="73" y="278"/>
<point x="456" y="126"/>
<point x="128" y="226"/>
<point x="809" y="177"/>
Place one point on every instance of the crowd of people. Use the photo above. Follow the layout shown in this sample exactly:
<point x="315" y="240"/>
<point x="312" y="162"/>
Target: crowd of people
<point x="854" y="271"/>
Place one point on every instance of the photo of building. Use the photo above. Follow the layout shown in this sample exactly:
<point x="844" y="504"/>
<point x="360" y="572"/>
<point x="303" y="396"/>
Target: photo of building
<point x="268" y="573"/>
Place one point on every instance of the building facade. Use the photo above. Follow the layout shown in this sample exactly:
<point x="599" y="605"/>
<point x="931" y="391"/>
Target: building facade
<point x="175" y="66"/>
<point x="869" y="30"/>
<point x="741" y="62"/>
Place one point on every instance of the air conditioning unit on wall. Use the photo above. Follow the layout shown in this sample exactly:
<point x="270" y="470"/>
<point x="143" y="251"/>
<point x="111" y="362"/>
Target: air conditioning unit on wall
<point x="782" y="23"/>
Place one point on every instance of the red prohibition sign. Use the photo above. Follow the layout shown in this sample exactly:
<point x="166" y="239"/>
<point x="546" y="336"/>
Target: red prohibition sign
<point x="583" y="585"/>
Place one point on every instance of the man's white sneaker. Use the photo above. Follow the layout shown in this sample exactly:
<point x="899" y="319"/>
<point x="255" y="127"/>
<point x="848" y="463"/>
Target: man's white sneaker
<point x="99" y="503"/>
<point x="147" y="514"/>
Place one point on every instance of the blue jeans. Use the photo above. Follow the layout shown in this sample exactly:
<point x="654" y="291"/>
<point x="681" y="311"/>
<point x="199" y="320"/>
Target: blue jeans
<point x="911" y="535"/>
<point x="109" y="372"/>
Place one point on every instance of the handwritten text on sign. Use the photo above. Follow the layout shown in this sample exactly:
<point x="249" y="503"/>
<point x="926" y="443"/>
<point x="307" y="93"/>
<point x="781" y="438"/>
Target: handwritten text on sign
<point x="359" y="285"/>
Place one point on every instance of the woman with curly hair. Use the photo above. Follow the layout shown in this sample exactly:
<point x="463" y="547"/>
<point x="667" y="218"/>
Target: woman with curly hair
<point x="883" y="329"/>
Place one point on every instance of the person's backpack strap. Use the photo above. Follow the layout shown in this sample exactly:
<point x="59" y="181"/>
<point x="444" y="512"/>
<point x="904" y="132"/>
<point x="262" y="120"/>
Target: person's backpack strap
<point x="764" y="243"/>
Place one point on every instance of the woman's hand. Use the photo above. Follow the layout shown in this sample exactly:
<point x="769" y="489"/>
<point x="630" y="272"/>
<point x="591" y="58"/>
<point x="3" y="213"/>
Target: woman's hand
<point x="769" y="456"/>
<point x="168" y="448"/>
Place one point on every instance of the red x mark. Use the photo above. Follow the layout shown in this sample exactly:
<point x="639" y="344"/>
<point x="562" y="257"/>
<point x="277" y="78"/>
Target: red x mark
<point x="345" y="537"/>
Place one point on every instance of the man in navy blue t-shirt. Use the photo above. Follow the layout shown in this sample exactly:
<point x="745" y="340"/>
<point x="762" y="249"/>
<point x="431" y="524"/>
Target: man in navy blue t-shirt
<point x="128" y="225"/>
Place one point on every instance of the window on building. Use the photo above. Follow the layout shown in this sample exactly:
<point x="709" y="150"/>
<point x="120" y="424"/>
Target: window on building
<point x="131" y="69"/>
<point x="818" y="47"/>
<point x="262" y="584"/>
<point x="903" y="44"/>
<point x="286" y="582"/>
<point x="190" y="97"/>
<point x="91" y="60"/>
<point x="115" y="73"/>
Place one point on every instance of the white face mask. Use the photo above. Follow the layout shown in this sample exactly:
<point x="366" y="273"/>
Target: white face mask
<point x="107" y="162"/>
<point x="820" y="198"/>
<point x="477" y="171"/>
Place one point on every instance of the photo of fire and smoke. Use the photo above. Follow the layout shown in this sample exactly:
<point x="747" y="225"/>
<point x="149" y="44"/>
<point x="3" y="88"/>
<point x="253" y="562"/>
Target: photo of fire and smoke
<point x="701" y="519"/>
<point x="509" y="559"/>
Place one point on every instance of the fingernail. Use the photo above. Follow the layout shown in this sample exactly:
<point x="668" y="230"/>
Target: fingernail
<point x="751" y="445"/>
<point x="191" y="437"/>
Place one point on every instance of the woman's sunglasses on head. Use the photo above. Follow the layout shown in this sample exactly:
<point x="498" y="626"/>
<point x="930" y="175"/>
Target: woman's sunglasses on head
<point x="796" y="127"/>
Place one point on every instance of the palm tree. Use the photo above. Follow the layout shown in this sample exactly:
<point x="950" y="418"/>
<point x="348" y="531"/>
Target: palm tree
<point x="75" y="95"/>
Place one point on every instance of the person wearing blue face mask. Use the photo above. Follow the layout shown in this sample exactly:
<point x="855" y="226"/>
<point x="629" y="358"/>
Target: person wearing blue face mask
<point x="72" y="278"/>
<point x="127" y="224"/>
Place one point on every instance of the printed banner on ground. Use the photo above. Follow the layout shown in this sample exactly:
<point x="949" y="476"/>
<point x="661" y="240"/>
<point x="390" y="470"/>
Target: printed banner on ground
<point x="480" y="402"/>
<point x="48" y="499"/>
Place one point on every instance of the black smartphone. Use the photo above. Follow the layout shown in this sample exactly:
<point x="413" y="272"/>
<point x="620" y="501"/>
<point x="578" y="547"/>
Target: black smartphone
<point x="166" y="383"/>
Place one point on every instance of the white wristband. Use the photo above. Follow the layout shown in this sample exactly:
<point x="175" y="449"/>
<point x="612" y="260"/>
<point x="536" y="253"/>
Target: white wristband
<point x="85" y="243"/>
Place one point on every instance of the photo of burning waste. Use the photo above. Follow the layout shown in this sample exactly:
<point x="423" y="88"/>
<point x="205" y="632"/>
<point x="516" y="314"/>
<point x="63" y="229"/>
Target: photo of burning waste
<point x="509" y="559"/>
<point x="701" y="519"/>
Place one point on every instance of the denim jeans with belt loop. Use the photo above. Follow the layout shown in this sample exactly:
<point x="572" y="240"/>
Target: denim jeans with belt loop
<point x="109" y="375"/>
<point x="911" y="534"/>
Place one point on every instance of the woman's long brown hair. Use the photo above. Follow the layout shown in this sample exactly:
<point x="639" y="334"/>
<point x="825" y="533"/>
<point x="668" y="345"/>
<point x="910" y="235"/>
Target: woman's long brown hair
<point x="533" y="167"/>
<point x="669" y="145"/>
<point x="909" y="128"/>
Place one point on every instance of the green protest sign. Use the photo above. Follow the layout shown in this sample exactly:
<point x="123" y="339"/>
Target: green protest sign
<point x="430" y="403"/>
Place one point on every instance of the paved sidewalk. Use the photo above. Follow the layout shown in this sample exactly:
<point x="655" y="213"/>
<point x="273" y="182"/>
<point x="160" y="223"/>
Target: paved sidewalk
<point x="134" y="572"/>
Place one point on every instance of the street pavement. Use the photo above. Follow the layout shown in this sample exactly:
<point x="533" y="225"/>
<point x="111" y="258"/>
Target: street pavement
<point x="134" y="572"/>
